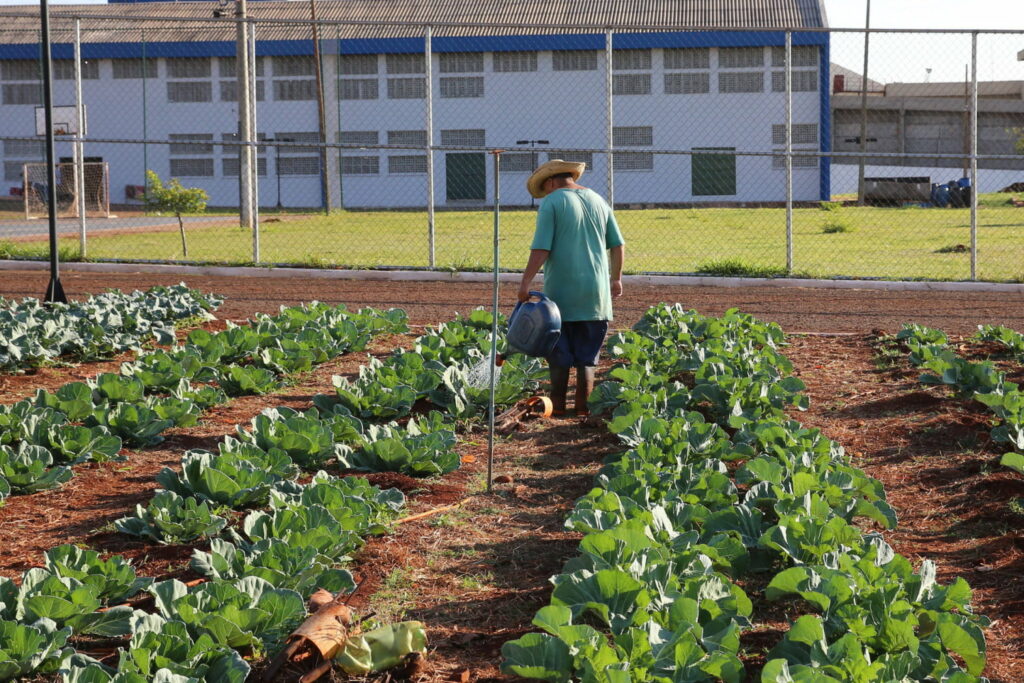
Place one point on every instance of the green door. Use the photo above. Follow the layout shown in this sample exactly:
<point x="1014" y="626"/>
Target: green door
<point x="466" y="176"/>
<point x="712" y="174"/>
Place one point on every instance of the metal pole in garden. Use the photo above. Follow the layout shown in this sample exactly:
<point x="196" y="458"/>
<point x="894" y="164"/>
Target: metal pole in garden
<point x="54" y="290"/>
<point x="494" y="323"/>
<point x="974" y="155"/>
<point x="789" y="153"/>
<point x="609" y="115"/>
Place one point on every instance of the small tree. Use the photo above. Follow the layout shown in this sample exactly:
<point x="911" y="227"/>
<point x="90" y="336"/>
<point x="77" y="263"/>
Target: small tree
<point x="174" y="199"/>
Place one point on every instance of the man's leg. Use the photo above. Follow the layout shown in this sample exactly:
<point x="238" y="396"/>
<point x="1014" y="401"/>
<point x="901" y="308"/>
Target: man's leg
<point x="587" y="343"/>
<point x="559" y="366"/>
<point x="584" y="386"/>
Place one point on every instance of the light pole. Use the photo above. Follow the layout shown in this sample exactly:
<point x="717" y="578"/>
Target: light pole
<point x="533" y="147"/>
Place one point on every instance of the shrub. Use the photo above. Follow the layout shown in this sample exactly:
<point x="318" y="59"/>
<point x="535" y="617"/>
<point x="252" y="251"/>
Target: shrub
<point x="830" y="206"/>
<point x="833" y="226"/>
<point x="739" y="268"/>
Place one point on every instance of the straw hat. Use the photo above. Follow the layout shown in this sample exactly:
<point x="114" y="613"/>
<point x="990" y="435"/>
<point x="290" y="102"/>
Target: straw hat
<point x="535" y="184"/>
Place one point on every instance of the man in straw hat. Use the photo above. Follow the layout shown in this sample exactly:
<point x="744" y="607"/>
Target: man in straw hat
<point x="578" y="243"/>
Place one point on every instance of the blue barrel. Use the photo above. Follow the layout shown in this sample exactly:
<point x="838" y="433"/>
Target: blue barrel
<point x="534" y="327"/>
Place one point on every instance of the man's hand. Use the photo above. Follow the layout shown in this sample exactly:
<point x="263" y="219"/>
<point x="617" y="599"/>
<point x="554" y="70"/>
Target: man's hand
<point x="616" y="288"/>
<point x="524" y="292"/>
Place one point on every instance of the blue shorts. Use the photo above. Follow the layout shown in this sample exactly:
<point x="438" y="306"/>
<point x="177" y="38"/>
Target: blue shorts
<point x="579" y="344"/>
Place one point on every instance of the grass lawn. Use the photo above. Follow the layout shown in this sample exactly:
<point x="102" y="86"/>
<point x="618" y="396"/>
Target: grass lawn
<point x="860" y="242"/>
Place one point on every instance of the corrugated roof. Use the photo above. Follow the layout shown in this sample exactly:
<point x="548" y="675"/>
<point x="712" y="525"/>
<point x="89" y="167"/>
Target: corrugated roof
<point x="383" y="18"/>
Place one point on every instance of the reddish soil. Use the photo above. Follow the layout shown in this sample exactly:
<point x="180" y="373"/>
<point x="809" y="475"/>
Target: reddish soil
<point x="475" y="574"/>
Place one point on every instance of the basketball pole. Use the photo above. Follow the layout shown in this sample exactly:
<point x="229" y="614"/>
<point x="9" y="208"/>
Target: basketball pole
<point x="54" y="291"/>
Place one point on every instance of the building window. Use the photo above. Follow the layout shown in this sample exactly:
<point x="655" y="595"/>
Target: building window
<point x="405" y="64"/>
<point x="803" y="134"/>
<point x="633" y="161"/>
<point x="64" y="70"/>
<point x="741" y="81"/>
<point x="294" y="91"/>
<point x="505" y="62"/>
<point x="17" y="153"/>
<point x="229" y="91"/>
<point x="294" y="66"/>
<point x="517" y="162"/>
<point x="799" y="162"/>
<point x="360" y="165"/>
<point x="803" y="55"/>
<point x="226" y="67"/>
<point x="298" y="166"/>
<point x="135" y="68"/>
<point x="368" y="138"/>
<point x="191" y="168"/>
<point x="21" y="70"/>
<point x="462" y="86"/>
<point x="585" y="157"/>
<point x="357" y="65"/>
<point x="229" y="160"/>
<point x="407" y="88"/>
<point x="633" y="136"/>
<point x="407" y="138"/>
<point x="631" y="60"/>
<point x="461" y="62"/>
<point x="186" y="67"/>
<point x="198" y="150"/>
<point x="298" y="160"/>
<point x="189" y="91"/>
<point x="407" y="163"/>
<point x="574" y="60"/>
<point x="687" y="58"/>
<point x="23" y="93"/>
<point x="631" y="84"/>
<point x="358" y="89"/>
<point x="687" y="83"/>
<point x="472" y="137"/>
<point x="803" y="81"/>
<point x="740" y="57"/>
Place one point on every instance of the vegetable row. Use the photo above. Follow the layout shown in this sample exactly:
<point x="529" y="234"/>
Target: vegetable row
<point x="720" y="493"/>
<point x="974" y="380"/>
<point x="103" y="326"/>
<point x="293" y="539"/>
<point x="82" y="421"/>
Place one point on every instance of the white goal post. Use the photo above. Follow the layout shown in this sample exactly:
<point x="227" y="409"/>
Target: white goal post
<point x="97" y="190"/>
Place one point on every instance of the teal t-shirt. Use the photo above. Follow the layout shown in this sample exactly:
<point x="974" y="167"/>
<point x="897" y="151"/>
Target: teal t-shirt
<point x="578" y="228"/>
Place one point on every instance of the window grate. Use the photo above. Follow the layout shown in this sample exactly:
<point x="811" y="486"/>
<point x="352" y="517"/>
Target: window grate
<point x="574" y="60"/>
<point x="687" y="83"/>
<point x="64" y="69"/>
<point x="21" y="70"/>
<point x="687" y="58"/>
<point x="360" y="165"/>
<point x="585" y="157"/>
<point x="633" y="161"/>
<point x="462" y="86"/>
<point x="517" y="162"/>
<point x="803" y="133"/>
<point x="357" y="65"/>
<point x="294" y="66"/>
<point x="358" y="89"/>
<point x="741" y="82"/>
<point x="407" y="88"/>
<point x="471" y="137"/>
<point x="133" y="68"/>
<point x="740" y="57"/>
<point x="408" y="138"/>
<point x="407" y="163"/>
<point x="803" y="81"/>
<point x="405" y="64"/>
<point x="192" y="168"/>
<point x="188" y="67"/>
<point x="461" y="62"/>
<point x="631" y="60"/>
<point x="189" y="91"/>
<point x="22" y="93"/>
<point x="505" y="62"/>
<point x="803" y="55"/>
<point x="358" y="137"/>
<point x="631" y="84"/>
<point x="294" y="91"/>
<point x="633" y="136"/>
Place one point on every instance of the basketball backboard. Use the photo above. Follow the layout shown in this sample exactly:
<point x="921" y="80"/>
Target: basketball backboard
<point x="65" y="120"/>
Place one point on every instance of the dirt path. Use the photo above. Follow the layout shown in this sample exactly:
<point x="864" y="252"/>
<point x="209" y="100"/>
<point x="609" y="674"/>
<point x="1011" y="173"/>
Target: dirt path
<point x="933" y="455"/>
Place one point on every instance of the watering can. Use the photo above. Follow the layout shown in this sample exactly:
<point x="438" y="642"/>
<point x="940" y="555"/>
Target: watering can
<point x="533" y="328"/>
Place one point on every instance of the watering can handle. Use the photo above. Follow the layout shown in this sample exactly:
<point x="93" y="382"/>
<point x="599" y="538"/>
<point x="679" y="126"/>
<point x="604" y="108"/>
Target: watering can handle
<point x="539" y="295"/>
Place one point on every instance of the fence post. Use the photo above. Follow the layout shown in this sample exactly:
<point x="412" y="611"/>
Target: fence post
<point x="244" y="118"/>
<point x="789" y="152"/>
<point x="610" y="116"/>
<point x="79" y="145"/>
<point x="429" y="75"/>
<point x="974" y="155"/>
<point x="254" y="167"/>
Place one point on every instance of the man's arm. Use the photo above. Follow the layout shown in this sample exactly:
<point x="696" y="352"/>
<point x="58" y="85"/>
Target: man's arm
<point x="617" y="255"/>
<point x="537" y="259"/>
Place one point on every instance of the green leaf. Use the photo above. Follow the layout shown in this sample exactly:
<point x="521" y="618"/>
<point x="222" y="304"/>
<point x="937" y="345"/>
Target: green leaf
<point x="537" y="655"/>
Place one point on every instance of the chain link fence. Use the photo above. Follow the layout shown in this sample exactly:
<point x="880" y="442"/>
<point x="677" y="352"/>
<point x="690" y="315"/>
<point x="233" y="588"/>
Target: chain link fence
<point x="762" y="151"/>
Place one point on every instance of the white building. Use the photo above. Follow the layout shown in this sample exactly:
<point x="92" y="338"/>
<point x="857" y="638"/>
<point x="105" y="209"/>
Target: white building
<point x="702" y="94"/>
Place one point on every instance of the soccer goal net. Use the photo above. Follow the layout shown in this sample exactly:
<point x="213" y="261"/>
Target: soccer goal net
<point x="97" y="190"/>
